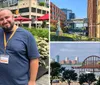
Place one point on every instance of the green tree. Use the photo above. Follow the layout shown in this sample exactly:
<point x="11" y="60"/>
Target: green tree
<point x="55" y="70"/>
<point x="89" y="78"/>
<point x="53" y="28"/>
<point x="69" y="75"/>
<point x="41" y="3"/>
<point x="98" y="82"/>
<point x="67" y="28"/>
<point x="82" y="78"/>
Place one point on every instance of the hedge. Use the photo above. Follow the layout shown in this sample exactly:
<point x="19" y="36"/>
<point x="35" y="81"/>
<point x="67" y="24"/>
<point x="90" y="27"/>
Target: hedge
<point x="67" y="37"/>
<point x="40" y="32"/>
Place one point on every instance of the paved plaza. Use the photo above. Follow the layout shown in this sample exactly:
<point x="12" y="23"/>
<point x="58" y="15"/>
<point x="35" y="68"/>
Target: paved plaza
<point x="44" y="80"/>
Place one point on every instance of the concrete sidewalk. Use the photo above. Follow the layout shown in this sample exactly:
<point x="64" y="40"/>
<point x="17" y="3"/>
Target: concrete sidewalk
<point x="44" y="80"/>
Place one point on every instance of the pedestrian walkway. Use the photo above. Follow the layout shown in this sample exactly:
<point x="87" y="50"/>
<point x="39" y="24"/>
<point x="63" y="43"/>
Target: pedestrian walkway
<point x="44" y="80"/>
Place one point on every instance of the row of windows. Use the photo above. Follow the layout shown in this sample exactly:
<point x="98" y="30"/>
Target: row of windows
<point x="23" y="10"/>
<point x="39" y="10"/>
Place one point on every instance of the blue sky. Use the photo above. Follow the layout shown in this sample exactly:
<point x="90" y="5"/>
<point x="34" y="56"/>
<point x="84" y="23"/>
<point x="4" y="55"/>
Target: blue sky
<point x="79" y="7"/>
<point x="72" y="50"/>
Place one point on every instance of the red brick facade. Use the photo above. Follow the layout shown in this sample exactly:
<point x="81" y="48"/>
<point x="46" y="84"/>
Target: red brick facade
<point x="92" y="14"/>
<point x="55" y="13"/>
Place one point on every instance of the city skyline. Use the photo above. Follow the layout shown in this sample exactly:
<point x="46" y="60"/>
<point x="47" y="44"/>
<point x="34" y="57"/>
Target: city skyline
<point x="72" y="50"/>
<point x="79" y="7"/>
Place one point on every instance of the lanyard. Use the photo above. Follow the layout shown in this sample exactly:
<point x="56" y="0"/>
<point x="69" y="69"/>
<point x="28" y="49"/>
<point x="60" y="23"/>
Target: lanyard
<point x="6" y="42"/>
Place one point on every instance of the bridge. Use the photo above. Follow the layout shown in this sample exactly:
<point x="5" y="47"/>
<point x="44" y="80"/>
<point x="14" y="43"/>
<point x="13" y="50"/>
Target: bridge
<point x="90" y="64"/>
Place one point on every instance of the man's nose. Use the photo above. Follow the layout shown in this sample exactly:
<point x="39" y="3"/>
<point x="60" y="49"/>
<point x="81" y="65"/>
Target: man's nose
<point x="4" y="20"/>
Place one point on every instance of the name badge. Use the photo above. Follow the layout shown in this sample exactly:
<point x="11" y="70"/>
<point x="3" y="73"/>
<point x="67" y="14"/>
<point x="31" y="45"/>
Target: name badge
<point x="4" y="59"/>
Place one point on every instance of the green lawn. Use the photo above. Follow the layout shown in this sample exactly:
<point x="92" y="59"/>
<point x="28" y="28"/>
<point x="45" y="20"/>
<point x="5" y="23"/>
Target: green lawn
<point x="67" y="37"/>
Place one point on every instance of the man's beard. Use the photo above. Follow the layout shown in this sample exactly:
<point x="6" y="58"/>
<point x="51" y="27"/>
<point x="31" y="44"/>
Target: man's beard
<point x="8" y="29"/>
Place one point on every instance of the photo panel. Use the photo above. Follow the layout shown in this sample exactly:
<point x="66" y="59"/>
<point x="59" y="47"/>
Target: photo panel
<point x="74" y="20"/>
<point x="74" y="63"/>
<point x="24" y="28"/>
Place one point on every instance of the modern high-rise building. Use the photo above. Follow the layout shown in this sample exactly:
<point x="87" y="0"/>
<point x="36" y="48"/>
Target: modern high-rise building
<point x="66" y="59"/>
<point x="77" y="59"/>
<point x="57" y="58"/>
<point x="67" y="12"/>
<point x="98" y="19"/>
<point x="29" y="9"/>
<point x="72" y="16"/>
<point x="69" y="15"/>
<point x="92" y="16"/>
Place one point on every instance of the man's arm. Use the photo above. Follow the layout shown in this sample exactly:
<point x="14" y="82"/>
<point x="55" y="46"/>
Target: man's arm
<point x="34" y="64"/>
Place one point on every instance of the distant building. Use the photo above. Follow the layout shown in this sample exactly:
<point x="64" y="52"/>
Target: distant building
<point x="68" y="62"/>
<point x="55" y="14"/>
<point x="72" y="16"/>
<point x="57" y="58"/>
<point x="77" y="59"/>
<point x="67" y="12"/>
<point x="62" y="62"/>
<point x="66" y="59"/>
<point x="69" y="15"/>
<point x="74" y="62"/>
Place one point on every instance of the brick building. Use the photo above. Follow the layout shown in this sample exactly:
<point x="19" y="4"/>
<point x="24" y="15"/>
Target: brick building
<point x="92" y="15"/>
<point x="55" y="13"/>
<point x="98" y="19"/>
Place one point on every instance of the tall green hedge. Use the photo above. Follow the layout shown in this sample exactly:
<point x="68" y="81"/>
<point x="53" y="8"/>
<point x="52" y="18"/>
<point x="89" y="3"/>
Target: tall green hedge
<point x="40" y="32"/>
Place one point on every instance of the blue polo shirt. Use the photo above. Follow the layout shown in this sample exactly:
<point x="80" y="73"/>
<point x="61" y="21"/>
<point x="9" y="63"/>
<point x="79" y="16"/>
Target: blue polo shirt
<point x="21" y="48"/>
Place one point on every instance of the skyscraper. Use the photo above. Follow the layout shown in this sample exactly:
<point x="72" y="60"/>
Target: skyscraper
<point x="67" y="12"/>
<point x="72" y="16"/>
<point x="66" y="59"/>
<point x="57" y="58"/>
<point x="69" y="15"/>
<point x="77" y="59"/>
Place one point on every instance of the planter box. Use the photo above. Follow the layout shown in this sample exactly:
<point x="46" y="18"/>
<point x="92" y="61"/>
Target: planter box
<point x="42" y="70"/>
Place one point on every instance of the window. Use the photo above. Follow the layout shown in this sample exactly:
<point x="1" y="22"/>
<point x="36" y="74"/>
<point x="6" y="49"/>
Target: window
<point x="33" y="9"/>
<point x="27" y="16"/>
<point x="44" y="12"/>
<point x="23" y="10"/>
<point x="38" y="10"/>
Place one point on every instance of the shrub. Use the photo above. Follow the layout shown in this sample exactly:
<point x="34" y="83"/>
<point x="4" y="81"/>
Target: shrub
<point x="53" y="28"/>
<point x="41" y="32"/>
<point x="43" y="47"/>
<point x="41" y="3"/>
<point x="67" y="37"/>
